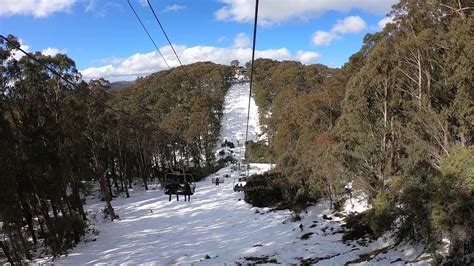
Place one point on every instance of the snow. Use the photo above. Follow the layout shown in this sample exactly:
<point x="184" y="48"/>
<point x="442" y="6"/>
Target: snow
<point x="358" y="204"/>
<point x="234" y="122"/>
<point x="217" y="226"/>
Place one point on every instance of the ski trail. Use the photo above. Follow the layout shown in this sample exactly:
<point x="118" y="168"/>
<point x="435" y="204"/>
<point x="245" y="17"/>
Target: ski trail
<point x="216" y="226"/>
<point x="234" y="121"/>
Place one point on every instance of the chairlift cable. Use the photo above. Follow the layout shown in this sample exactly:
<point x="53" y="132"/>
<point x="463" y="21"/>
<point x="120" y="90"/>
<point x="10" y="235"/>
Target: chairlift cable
<point x="252" y="68"/>
<point x="149" y="36"/>
<point x="168" y="39"/>
<point x="119" y="113"/>
<point x="37" y="61"/>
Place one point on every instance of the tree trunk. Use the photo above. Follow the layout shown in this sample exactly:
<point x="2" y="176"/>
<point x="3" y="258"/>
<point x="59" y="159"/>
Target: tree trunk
<point x="29" y="220"/>
<point x="25" y="248"/>
<point x="109" y="185"/>
<point x="53" y="240"/>
<point x="35" y="210"/>
<point x="100" y="172"/>
<point x="77" y="200"/>
<point x="6" y="251"/>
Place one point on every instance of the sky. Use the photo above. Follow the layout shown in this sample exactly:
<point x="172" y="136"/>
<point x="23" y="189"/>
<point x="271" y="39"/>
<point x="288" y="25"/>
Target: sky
<point x="105" y="39"/>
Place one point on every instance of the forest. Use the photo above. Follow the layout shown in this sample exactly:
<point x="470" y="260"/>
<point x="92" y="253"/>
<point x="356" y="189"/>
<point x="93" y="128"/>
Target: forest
<point x="58" y="138"/>
<point x="395" y="123"/>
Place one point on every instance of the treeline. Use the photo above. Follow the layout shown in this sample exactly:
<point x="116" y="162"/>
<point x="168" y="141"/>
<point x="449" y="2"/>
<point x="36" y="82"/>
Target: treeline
<point x="58" y="137"/>
<point x="298" y="106"/>
<point x="396" y="122"/>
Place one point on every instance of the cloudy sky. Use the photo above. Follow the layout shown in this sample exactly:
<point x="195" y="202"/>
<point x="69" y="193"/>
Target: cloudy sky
<point x="106" y="40"/>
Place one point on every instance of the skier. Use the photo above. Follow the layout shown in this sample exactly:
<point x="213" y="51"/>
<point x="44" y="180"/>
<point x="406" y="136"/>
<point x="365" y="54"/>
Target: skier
<point x="187" y="191"/>
<point x="217" y="181"/>
<point x="172" y="189"/>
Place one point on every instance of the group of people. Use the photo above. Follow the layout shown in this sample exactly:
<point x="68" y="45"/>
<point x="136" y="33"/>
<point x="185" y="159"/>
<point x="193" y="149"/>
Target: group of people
<point x="183" y="189"/>
<point x="239" y="188"/>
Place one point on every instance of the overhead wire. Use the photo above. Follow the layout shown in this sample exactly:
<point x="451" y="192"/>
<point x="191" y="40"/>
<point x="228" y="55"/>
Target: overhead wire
<point x="149" y="36"/>
<point x="252" y="68"/>
<point x="119" y="113"/>
<point x="42" y="64"/>
<point x="168" y="39"/>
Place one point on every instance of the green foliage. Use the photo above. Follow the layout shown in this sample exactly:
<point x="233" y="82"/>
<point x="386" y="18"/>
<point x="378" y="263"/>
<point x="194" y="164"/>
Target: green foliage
<point x="380" y="216"/>
<point x="453" y="204"/>
<point x="304" y="103"/>
<point x="356" y="227"/>
<point x="271" y="189"/>
<point x="265" y="190"/>
<point x="69" y="230"/>
<point x="257" y="152"/>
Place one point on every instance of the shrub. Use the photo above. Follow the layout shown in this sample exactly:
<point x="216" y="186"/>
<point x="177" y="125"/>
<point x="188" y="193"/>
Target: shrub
<point x="356" y="227"/>
<point x="257" y="152"/>
<point x="264" y="190"/>
<point x="380" y="217"/>
<point x="453" y="203"/>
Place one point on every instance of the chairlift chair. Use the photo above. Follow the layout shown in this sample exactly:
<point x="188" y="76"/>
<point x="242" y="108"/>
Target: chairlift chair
<point x="221" y="179"/>
<point x="173" y="183"/>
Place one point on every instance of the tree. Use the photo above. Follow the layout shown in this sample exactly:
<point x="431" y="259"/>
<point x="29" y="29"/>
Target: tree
<point x="96" y="132"/>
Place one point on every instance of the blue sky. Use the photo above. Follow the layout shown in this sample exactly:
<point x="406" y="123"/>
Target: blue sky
<point x="105" y="39"/>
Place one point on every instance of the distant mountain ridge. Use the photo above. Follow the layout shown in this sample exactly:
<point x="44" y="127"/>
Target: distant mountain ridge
<point x="120" y="84"/>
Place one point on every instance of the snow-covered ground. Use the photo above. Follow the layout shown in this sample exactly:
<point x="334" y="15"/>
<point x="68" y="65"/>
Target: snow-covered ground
<point x="234" y="122"/>
<point x="218" y="227"/>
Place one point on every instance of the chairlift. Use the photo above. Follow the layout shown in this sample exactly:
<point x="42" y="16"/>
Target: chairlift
<point x="221" y="179"/>
<point x="174" y="182"/>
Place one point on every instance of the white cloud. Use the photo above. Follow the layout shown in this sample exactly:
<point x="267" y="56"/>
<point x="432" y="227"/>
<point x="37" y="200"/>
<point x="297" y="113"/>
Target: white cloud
<point x="383" y="22"/>
<point x="352" y="24"/>
<point x="144" y="64"/>
<point x="307" y="57"/>
<point x="221" y="39"/>
<point x="53" y="51"/>
<point x="241" y="40"/>
<point x="174" y="8"/>
<point x="37" y="8"/>
<point x="108" y="61"/>
<point x="324" y="38"/>
<point x="277" y="11"/>
<point x="101" y="8"/>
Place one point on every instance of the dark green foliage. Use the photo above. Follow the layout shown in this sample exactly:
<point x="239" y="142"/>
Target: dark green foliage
<point x="257" y="152"/>
<point x="200" y="173"/>
<point x="70" y="229"/>
<point x="380" y="216"/>
<point x="265" y="190"/>
<point x="272" y="189"/>
<point x="304" y="102"/>
<point x="356" y="227"/>
<point x="453" y="204"/>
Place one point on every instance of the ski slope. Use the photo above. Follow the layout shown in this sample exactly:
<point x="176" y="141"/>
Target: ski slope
<point x="217" y="226"/>
<point x="234" y="122"/>
<point x="235" y="115"/>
